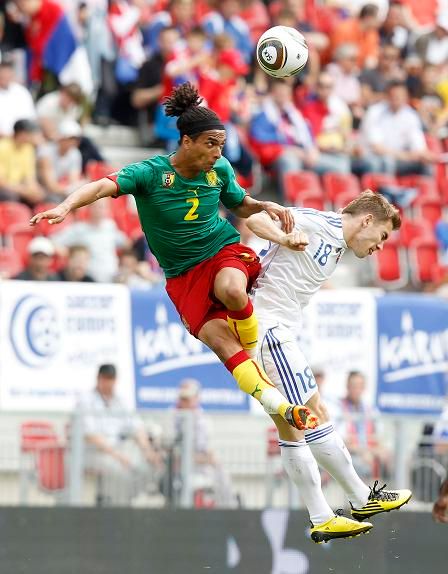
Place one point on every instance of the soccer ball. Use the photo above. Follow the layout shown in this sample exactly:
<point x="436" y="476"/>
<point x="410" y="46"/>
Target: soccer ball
<point x="282" y="52"/>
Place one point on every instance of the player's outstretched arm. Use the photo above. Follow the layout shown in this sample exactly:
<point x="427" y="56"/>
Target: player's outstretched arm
<point x="263" y="226"/>
<point x="250" y="206"/>
<point x="85" y="195"/>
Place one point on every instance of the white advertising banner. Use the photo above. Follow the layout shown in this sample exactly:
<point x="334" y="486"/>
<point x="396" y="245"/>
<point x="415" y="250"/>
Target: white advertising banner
<point x="339" y="336"/>
<point x="53" y="337"/>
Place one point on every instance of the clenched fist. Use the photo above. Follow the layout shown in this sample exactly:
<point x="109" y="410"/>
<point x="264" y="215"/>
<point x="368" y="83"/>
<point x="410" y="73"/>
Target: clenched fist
<point x="296" y="240"/>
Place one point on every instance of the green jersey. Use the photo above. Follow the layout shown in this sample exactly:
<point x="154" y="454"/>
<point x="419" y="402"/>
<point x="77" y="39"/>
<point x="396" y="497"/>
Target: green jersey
<point x="180" y="216"/>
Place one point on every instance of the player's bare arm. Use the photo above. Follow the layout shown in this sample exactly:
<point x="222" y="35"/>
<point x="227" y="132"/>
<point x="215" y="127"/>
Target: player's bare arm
<point x="263" y="226"/>
<point x="276" y="212"/>
<point x="85" y="195"/>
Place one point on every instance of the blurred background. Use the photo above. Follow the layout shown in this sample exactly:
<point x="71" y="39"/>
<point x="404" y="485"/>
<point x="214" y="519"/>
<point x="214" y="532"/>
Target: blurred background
<point x="107" y="406"/>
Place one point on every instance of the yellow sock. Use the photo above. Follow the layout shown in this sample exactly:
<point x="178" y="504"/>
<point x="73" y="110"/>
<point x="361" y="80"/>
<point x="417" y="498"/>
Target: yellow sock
<point x="244" y="325"/>
<point x="252" y="379"/>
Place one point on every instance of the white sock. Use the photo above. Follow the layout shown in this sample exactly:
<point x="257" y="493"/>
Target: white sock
<point x="302" y="469"/>
<point x="331" y="453"/>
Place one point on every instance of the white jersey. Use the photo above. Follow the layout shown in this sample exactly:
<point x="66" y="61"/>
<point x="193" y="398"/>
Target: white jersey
<point x="288" y="279"/>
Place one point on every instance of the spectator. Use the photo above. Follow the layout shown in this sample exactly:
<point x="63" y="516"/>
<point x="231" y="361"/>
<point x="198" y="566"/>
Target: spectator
<point x="60" y="162"/>
<point x="96" y="36"/>
<point x="441" y="232"/>
<point x="226" y="19"/>
<point x="41" y="252"/>
<point x="331" y="124"/>
<point x="440" y="508"/>
<point x="322" y="384"/>
<point x="432" y="47"/>
<point x="76" y="267"/>
<point x="190" y="64"/>
<point x="280" y="135"/>
<point x="256" y="16"/>
<point x="392" y="136"/>
<point x="18" y="181"/>
<point x="362" y="31"/>
<point x="181" y="15"/>
<point x="440" y="434"/>
<point x="11" y="31"/>
<point x="16" y="102"/>
<point x="124" y="470"/>
<point x="224" y="90"/>
<point x="298" y="14"/>
<point x="358" y="430"/>
<point x="206" y="465"/>
<point x="54" y="54"/>
<point x="144" y="255"/>
<point x="149" y="86"/>
<point x="133" y="272"/>
<point x="389" y="69"/>
<point x="398" y="26"/>
<point x="55" y="107"/>
<point x="344" y="73"/>
<point x="101" y="236"/>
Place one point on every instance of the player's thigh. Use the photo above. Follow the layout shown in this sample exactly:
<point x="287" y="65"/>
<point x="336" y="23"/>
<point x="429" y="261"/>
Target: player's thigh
<point x="218" y="337"/>
<point x="286" y="431"/>
<point x="286" y="365"/>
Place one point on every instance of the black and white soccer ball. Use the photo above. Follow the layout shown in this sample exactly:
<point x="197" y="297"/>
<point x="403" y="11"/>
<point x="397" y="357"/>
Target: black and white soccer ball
<point x="282" y="52"/>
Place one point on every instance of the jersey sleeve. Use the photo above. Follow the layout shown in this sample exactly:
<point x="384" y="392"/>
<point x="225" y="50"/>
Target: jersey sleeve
<point x="133" y="179"/>
<point x="232" y="194"/>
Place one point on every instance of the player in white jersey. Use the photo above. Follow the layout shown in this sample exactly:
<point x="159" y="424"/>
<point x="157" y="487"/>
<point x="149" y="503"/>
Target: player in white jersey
<point x="294" y="266"/>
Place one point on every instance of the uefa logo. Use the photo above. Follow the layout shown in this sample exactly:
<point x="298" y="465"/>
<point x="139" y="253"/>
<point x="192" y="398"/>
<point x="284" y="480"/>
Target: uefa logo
<point x="34" y="331"/>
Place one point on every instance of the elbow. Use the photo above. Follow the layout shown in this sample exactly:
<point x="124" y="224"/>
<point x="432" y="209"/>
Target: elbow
<point x="253" y="220"/>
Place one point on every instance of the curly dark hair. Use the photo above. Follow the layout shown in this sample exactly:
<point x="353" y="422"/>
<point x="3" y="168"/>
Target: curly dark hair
<point x="185" y="104"/>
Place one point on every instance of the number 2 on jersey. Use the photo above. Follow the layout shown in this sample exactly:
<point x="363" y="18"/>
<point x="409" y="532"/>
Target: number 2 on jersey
<point x="322" y="260"/>
<point x="192" y="215"/>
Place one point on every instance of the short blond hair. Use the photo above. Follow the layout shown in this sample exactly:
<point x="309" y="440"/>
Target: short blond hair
<point x="376" y="204"/>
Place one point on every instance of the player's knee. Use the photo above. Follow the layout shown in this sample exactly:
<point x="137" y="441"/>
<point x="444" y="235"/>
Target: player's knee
<point x="234" y="296"/>
<point x="318" y="408"/>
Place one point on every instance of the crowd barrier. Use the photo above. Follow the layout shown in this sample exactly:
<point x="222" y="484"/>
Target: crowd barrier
<point x="53" y="336"/>
<point x="70" y="541"/>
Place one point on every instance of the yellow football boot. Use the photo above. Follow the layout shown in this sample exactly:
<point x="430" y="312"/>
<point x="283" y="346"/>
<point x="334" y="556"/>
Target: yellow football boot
<point x="338" y="527"/>
<point x="381" y="500"/>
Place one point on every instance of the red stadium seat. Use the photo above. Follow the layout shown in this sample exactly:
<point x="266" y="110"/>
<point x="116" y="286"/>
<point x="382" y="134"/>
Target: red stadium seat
<point x="34" y="434"/>
<point x="337" y="183"/>
<point x="43" y="227"/>
<point x="390" y="265"/>
<point x="343" y="199"/>
<point x="374" y="181"/>
<point x="427" y="186"/>
<point x="295" y="183"/>
<point x="40" y="441"/>
<point x="411" y="229"/>
<point x="50" y="468"/>
<point x="424" y="260"/>
<point x="98" y="169"/>
<point x="12" y="214"/>
<point x="10" y="263"/>
<point x="428" y="209"/>
<point x="18" y="238"/>
<point x="312" y="200"/>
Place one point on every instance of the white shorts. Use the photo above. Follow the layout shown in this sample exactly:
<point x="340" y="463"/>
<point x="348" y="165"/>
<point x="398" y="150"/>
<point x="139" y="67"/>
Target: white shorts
<point x="286" y="366"/>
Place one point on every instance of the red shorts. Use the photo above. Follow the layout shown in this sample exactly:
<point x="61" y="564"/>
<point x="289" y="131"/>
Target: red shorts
<point x="192" y="292"/>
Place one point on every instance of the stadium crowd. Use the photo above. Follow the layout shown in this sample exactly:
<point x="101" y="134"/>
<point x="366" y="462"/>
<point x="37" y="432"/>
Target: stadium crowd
<point x="370" y="110"/>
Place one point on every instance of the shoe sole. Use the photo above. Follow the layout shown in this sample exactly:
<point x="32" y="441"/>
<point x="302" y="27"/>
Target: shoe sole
<point x="300" y="414"/>
<point x="319" y="537"/>
<point x="362" y="517"/>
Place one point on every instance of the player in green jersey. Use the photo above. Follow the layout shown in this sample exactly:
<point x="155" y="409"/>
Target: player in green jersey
<point x="208" y="271"/>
